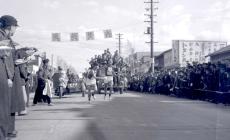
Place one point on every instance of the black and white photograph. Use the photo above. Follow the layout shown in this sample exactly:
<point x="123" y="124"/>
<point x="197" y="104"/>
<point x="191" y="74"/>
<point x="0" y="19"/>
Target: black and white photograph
<point x="115" y="70"/>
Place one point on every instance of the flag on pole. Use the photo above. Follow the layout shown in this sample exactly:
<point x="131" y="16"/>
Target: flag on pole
<point x="108" y="33"/>
<point x="89" y="35"/>
<point x="56" y="37"/>
<point x="74" y="37"/>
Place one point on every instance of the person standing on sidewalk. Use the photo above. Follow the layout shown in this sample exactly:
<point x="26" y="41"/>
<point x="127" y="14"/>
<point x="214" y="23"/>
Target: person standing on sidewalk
<point x="28" y="87"/>
<point x="24" y="54"/>
<point x="62" y="81"/>
<point x="43" y="90"/>
<point x="8" y="25"/>
<point x="83" y="87"/>
<point x="5" y="85"/>
<point x="40" y="87"/>
<point x="21" y="54"/>
<point x="47" y="75"/>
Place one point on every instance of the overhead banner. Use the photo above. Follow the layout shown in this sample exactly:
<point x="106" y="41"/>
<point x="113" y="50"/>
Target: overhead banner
<point x="108" y="33"/>
<point x="74" y="37"/>
<point x="89" y="35"/>
<point x="56" y="37"/>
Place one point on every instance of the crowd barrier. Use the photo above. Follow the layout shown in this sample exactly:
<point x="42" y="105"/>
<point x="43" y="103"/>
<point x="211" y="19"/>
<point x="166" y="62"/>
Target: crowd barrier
<point x="193" y="94"/>
<point x="202" y="94"/>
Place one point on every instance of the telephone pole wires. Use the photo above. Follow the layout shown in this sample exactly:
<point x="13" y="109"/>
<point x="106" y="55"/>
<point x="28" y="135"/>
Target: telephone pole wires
<point x="150" y="30"/>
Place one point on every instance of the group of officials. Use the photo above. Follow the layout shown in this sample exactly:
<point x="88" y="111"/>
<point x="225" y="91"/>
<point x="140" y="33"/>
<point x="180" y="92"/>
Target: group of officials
<point x="208" y="81"/>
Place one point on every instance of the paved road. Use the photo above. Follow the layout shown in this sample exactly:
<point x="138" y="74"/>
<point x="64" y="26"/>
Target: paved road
<point x="129" y="116"/>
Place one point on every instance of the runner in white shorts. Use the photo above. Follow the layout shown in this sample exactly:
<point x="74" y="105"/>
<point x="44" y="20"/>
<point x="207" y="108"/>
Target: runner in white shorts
<point x="90" y="82"/>
<point x="109" y="80"/>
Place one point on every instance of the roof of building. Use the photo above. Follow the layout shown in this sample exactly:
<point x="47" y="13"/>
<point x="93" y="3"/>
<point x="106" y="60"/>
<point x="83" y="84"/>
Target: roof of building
<point x="221" y="51"/>
<point x="144" y="54"/>
<point x="201" y="41"/>
<point x="162" y="53"/>
<point x="147" y="53"/>
<point x="157" y="53"/>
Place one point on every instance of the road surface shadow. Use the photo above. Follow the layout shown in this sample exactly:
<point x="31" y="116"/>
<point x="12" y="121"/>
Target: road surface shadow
<point x="92" y="133"/>
<point x="74" y="102"/>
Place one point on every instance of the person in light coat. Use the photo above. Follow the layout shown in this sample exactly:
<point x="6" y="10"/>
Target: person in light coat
<point x="62" y="81"/>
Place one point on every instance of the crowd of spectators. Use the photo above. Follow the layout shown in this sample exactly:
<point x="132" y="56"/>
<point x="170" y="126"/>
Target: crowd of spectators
<point x="106" y="58"/>
<point x="207" y="81"/>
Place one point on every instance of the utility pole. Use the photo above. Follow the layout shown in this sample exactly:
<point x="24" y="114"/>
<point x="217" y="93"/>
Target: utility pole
<point x="52" y="62"/>
<point x="150" y="30"/>
<point x="119" y="42"/>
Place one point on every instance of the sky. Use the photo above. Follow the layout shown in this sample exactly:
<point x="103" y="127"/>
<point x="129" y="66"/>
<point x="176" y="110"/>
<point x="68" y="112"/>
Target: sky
<point x="176" y="19"/>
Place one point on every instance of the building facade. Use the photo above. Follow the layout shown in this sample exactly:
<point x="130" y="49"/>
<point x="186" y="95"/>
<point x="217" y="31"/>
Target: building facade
<point x="188" y="51"/>
<point x="223" y="55"/>
<point x="164" y="60"/>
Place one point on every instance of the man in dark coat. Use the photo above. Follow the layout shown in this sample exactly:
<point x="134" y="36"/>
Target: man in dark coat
<point x="40" y="87"/>
<point x="8" y="25"/>
<point x="4" y="94"/>
<point x="44" y="74"/>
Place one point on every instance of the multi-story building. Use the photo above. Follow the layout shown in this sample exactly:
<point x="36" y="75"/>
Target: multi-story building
<point x="188" y="51"/>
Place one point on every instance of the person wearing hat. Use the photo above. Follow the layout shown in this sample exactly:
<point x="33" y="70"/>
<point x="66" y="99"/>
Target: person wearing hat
<point x="5" y="92"/>
<point x="5" y="84"/>
<point x="8" y="26"/>
<point x="23" y="55"/>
